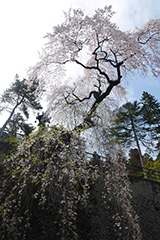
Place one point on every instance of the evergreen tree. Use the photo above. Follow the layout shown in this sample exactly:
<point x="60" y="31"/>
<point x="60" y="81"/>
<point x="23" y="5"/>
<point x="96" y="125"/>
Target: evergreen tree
<point x="18" y="125"/>
<point x="138" y="122"/>
<point x="128" y="127"/>
<point x="150" y="111"/>
<point x="21" y="95"/>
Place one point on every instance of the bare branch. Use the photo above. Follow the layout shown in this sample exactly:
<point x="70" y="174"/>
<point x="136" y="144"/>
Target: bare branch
<point x="94" y="68"/>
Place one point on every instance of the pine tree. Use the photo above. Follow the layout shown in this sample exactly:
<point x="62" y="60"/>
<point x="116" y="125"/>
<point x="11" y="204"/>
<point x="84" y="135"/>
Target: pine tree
<point x="21" y="95"/>
<point x="150" y="112"/>
<point x="139" y="122"/>
<point x="128" y="127"/>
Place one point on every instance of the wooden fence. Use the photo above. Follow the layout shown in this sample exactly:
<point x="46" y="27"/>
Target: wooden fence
<point x="143" y="172"/>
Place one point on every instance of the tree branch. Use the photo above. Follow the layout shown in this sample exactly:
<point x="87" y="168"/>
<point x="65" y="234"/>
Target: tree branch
<point x="93" y="68"/>
<point x="149" y="38"/>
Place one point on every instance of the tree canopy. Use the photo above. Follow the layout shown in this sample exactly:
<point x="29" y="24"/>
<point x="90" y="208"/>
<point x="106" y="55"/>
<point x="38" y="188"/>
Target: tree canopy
<point x="22" y="95"/>
<point x="150" y="112"/>
<point x="138" y="122"/>
<point x="105" y="55"/>
<point x="53" y="190"/>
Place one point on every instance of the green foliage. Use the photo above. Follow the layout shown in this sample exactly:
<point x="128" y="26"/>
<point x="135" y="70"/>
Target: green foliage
<point x="53" y="192"/>
<point x="150" y="109"/>
<point x="18" y="126"/>
<point x="152" y="164"/>
<point x="23" y="91"/>
<point x="122" y="125"/>
<point x="8" y="144"/>
<point x="138" y="121"/>
<point x="22" y="96"/>
<point x="156" y="165"/>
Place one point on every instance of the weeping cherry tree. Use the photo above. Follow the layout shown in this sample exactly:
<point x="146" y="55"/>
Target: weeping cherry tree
<point x="98" y="55"/>
<point x="54" y="192"/>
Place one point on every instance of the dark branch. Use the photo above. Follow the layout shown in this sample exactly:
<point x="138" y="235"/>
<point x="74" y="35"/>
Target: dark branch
<point x="93" y="68"/>
<point x="148" y="39"/>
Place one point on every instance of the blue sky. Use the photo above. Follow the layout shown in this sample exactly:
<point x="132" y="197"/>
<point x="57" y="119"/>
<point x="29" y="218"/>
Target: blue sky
<point x="23" y="23"/>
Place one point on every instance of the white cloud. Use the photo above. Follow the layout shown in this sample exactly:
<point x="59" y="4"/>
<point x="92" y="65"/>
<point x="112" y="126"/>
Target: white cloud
<point x="129" y="13"/>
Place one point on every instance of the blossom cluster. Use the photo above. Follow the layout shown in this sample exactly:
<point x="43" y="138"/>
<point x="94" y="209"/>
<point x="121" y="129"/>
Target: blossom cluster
<point x="52" y="187"/>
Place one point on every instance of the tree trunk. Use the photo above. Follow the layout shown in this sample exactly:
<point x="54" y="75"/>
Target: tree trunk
<point x="10" y="116"/>
<point x="137" y="142"/>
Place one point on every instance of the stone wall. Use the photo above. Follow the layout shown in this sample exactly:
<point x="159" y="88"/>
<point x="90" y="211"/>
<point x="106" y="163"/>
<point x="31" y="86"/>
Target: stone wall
<point x="146" y="202"/>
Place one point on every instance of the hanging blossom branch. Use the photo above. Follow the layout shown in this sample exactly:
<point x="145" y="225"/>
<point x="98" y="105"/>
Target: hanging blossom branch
<point x="146" y="36"/>
<point x="99" y="96"/>
<point x="110" y="50"/>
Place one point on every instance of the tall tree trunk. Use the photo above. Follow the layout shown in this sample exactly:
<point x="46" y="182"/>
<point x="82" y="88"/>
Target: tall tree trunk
<point x="137" y="142"/>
